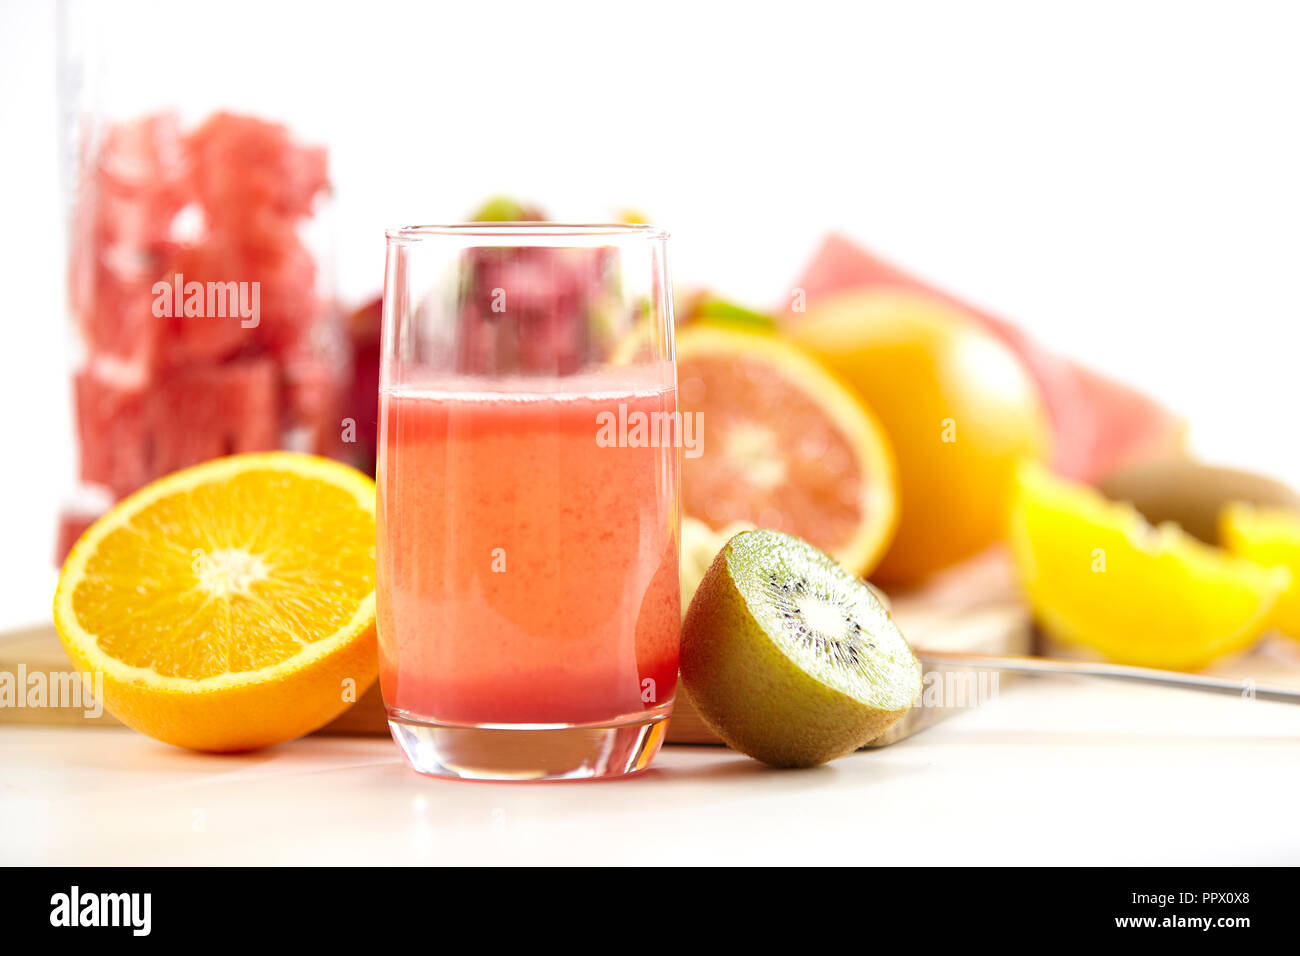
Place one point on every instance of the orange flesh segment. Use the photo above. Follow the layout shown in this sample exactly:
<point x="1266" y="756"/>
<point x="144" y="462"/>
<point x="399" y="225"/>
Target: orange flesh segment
<point x="230" y="577"/>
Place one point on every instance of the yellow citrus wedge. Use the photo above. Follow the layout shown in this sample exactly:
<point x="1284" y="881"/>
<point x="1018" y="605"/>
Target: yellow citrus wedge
<point x="1271" y="537"/>
<point x="1099" y="576"/>
<point x="785" y="446"/>
<point x="231" y="605"/>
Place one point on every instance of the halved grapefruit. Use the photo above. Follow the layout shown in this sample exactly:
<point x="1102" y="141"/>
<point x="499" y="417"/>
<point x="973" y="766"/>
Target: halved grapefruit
<point x="784" y="445"/>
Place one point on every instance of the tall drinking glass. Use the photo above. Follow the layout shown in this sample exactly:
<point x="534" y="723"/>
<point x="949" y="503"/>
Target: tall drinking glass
<point x="528" y="595"/>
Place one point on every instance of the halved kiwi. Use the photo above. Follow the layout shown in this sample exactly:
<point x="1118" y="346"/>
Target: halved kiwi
<point x="788" y="657"/>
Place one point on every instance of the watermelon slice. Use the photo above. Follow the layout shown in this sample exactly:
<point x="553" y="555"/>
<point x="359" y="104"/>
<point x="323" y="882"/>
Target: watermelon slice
<point x="1099" y="424"/>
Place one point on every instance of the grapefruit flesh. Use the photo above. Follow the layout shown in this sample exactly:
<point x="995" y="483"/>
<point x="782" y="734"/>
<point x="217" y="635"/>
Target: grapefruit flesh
<point x="784" y="444"/>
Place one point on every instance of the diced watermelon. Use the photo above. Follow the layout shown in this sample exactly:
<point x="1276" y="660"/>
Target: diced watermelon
<point x="244" y="185"/>
<point x="1098" y="424"/>
<point x="157" y="392"/>
<point x="290" y="308"/>
<point x="139" y="181"/>
<point x="244" y="164"/>
<point x="129" y="192"/>
<point x="206" y="338"/>
<point x="131" y="436"/>
<point x="113" y="429"/>
<point x="118" y="328"/>
<point x="211" y="411"/>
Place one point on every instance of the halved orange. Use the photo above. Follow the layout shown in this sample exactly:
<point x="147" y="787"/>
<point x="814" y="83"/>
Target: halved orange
<point x="230" y="605"/>
<point x="785" y="446"/>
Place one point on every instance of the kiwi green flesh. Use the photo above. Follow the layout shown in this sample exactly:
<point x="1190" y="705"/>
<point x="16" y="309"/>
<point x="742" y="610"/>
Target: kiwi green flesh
<point x="827" y="622"/>
<point x="792" y="693"/>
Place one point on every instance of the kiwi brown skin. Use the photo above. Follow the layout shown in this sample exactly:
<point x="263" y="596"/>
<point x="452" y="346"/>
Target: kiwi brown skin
<point x="753" y="696"/>
<point x="1192" y="494"/>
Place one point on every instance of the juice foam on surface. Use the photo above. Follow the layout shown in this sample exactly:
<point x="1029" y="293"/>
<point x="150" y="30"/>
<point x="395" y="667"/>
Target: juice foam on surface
<point x="528" y="573"/>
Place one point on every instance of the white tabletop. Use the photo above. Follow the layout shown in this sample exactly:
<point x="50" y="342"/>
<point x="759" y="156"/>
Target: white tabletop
<point x="1055" y="771"/>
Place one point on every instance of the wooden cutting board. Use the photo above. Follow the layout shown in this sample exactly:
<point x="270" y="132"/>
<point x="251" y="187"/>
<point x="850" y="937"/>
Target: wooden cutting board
<point x="972" y="608"/>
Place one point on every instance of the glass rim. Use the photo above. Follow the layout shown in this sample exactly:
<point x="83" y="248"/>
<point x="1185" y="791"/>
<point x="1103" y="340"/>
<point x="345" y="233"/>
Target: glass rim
<point x="526" y="230"/>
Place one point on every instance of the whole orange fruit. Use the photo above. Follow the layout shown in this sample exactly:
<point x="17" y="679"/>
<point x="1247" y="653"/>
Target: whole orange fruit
<point x="958" y="407"/>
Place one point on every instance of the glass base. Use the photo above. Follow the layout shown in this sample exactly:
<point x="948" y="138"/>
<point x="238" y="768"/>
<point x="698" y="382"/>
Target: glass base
<point x="530" y="751"/>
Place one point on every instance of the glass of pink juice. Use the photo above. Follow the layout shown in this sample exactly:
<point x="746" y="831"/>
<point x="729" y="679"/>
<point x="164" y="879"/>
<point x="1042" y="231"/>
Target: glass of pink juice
<point x="528" y="596"/>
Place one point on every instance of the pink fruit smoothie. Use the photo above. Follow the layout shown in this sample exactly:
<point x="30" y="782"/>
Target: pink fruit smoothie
<point x="528" y="568"/>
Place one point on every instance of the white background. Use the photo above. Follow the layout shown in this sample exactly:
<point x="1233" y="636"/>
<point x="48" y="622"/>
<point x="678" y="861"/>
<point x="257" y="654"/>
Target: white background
<point x="1122" y="178"/>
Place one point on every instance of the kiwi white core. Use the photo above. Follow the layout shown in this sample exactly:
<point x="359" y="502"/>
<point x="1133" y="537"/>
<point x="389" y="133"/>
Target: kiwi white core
<point x="823" y="619"/>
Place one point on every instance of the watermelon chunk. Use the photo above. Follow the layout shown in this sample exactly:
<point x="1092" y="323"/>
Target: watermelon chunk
<point x="243" y="165"/>
<point x="291" y="311"/>
<point x="131" y="436"/>
<point x="222" y="204"/>
<point x="139" y="181"/>
<point x="287" y="306"/>
<point x="207" y="338"/>
<point x="1099" y="424"/>
<point x="113" y="433"/>
<point x="130" y="191"/>
<point x="206" y="412"/>
<point x="160" y="390"/>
